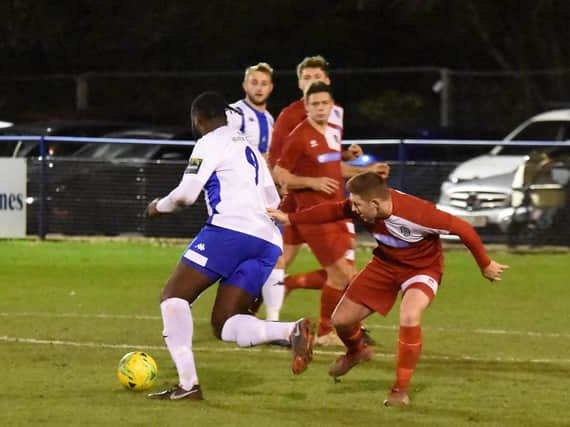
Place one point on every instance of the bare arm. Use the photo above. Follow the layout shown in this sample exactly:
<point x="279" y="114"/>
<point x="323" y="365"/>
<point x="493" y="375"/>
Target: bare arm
<point x="318" y="214"/>
<point x="295" y="182"/>
<point x="382" y="169"/>
<point x="494" y="270"/>
<point x="353" y="152"/>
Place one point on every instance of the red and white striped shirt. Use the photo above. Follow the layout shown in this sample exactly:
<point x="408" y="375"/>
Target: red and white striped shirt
<point x="410" y="235"/>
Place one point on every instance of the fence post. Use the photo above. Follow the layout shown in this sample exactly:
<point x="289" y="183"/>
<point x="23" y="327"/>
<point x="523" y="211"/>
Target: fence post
<point x="402" y="161"/>
<point x="445" y="94"/>
<point x="81" y="93"/>
<point x="42" y="226"/>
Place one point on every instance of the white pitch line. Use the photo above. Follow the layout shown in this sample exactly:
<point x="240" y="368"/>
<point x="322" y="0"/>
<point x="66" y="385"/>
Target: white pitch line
<point x="80" y="315"/>
<point x="480" y="331"/>
<point x="224" y="349"/>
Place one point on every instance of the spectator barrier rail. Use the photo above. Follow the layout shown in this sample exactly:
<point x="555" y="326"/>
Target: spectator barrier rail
<point x="82" y="196"/>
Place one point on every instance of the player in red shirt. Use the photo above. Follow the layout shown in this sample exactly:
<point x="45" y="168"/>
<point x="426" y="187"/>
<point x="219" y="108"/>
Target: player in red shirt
<point x="311" y="69"/>
<point x="310" y="166"/>
<point x="408" y="258"/>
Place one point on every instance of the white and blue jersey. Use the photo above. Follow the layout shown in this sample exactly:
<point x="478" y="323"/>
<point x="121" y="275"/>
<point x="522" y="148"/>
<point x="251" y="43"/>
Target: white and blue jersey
<point x="240" y="243"/>
<point x="256" y="125"/>
<point x="237" y="184"/>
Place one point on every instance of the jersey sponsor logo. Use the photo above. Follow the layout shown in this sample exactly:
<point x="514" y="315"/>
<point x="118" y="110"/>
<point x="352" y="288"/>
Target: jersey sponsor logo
<point x="193" y="166"/>
<point x="390" y="241"/>
<point x="329" y="157"/>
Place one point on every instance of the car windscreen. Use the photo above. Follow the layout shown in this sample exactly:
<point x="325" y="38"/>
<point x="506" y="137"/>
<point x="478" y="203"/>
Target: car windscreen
<point x="137" y="151"/>
<point x="100" y="151"/>
<point x="536" y="131"/>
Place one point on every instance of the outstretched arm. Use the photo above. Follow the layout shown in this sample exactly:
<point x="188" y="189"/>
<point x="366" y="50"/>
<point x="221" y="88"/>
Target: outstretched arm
<point x="490" y="269"/>
<point x="318" y="214"/>
<point x="494" y="270"/>
<point x="184" y="194"/>
<point x="445" y="223"/>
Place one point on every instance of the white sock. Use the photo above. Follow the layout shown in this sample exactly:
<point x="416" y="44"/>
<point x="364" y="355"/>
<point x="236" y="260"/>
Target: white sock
<point x="273" y="293"/>
<point x="247" y="330"/>
<point x="178" y="331"/>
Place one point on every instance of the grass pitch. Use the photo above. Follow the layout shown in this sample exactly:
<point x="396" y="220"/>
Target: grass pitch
<point x="494" y="354"/>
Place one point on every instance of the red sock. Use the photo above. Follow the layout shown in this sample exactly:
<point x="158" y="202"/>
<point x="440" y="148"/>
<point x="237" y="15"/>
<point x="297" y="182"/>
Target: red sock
<point x="351" y="336"/>
<point x="311" y="280"/>
<point x="329" y="299"/>
<point x="409" y="350"/>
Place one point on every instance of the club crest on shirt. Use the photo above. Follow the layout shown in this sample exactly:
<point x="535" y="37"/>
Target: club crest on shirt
<point x="193" y="166"/>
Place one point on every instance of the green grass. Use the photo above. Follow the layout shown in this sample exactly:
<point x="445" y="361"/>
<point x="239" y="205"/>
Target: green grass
<point x="494" y="354"/>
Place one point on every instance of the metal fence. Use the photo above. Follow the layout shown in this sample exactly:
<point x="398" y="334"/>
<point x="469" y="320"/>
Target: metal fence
<point x="74" y="196"/>
<point x="383" y="102"/>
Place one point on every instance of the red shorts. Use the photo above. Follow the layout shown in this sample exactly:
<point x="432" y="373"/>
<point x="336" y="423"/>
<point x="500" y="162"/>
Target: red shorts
<point x="329" y="242"/>
<point x="288" y="203"/>
<point x="292" y="236"/>
<point x="378" y="284"/>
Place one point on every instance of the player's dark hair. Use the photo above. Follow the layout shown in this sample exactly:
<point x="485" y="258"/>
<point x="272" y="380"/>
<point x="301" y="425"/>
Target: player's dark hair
<point x="318" y="87"/>
<point x="209" y="105"/>
<point x="368" y="185"/>
<point x="313" y="62"/>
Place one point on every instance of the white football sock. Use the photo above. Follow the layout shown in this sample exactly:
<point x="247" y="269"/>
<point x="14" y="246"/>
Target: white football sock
<point x="273" y="293"/>
<point x="247" y="330"/>
<point x="178" y="331"/>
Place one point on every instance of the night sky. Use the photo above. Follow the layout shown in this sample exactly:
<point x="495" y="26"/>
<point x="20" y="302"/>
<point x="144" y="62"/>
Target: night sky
<point x="64" y="39"/>
<point x="40" y="36"/>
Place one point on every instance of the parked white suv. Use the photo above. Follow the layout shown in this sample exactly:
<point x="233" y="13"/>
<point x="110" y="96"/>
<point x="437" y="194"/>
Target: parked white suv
<point x="480" y="190"/>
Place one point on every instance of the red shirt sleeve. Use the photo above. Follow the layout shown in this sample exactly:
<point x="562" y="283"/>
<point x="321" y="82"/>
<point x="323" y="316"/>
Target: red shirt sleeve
<point x="445" y="222"/>
<point x="471" y="239"/>
<point x="324" y="212"/>
<point x="292" y="151"/>
<point x="283" y="127"/>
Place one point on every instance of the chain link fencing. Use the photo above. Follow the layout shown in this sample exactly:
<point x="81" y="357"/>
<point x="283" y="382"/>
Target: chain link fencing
<point x="73" y="196"/>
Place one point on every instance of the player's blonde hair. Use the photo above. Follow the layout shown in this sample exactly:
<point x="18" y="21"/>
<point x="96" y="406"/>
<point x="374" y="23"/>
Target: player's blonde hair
<point x="317" y="61"/>
<point x="368" y="185"/>
<point x="263" y="67"/>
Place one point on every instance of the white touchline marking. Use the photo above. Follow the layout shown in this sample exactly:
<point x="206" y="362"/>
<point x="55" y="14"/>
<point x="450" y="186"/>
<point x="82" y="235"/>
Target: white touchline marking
<point x="80" y="315"/>
<point x="481" y="331"/>
<point x="223" y="349"/>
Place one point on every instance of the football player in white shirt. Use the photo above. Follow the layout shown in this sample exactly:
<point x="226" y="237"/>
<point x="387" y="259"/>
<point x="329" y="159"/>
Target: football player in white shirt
<point x="250" y="116"/>
<point x="239" y="246"/>
<point x="253" y="118"/>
